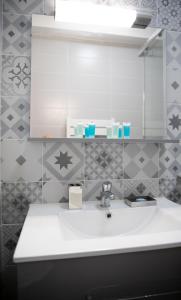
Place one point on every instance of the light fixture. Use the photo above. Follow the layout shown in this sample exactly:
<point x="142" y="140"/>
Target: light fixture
<point x="88" y="13"/>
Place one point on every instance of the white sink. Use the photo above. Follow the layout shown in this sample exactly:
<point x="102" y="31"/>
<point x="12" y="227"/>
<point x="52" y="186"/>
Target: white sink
<point x="52" y="231"/>
<point x="124" y="221"/>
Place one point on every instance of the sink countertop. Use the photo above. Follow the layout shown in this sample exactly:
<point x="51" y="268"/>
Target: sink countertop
<point x="42" y="239"/>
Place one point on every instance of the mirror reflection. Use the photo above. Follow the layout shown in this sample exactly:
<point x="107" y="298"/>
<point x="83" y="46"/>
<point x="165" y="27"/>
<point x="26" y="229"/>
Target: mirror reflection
<point x="103" y="79"/>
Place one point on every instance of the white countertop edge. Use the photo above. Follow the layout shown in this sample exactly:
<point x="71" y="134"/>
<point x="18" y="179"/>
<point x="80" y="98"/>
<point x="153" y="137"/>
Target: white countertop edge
<point x="74" y="255"/>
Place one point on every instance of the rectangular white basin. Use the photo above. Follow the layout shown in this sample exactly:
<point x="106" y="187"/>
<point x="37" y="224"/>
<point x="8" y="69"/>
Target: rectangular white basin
<point x="51" y="231"/>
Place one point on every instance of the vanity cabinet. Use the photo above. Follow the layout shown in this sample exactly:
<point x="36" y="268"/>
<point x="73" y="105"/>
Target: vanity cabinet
<point x="118" y="276"/>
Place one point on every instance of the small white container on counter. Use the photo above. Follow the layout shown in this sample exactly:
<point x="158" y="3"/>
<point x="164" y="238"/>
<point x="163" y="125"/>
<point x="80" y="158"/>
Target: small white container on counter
<point x="75" y="197"/>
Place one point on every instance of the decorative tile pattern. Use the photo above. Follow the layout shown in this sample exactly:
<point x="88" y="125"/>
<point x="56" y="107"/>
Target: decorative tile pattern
<point x="22" y="161"/>
<point x="170" y="160"/>
<point x="15" y="76"/>
<point x="144" y="187"/>
<point x="103" y="161"/>
<point x="23" y="6"/>
<point x="168" y="189"/>
<point x="16" y="34"/>
<point x="10" y="235"/>
<point x="55" y="192"/>
<point x="141" y="161"/>
<point x="15" y="114"/>
<point x="169" y="12"/>
<point x="173" y="48"/>
<point x="174" y="121"/>
<point x="93" y="188"/>
<point x="16" y="198"/>
<point x="173" y="60"/>
<point x="63" y="161"/>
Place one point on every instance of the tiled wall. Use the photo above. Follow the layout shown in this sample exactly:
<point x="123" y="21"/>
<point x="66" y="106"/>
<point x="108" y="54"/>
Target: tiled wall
<point x="40" y="172"/>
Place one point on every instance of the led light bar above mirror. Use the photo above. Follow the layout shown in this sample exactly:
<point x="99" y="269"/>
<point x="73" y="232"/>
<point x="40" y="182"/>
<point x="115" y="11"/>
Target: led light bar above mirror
<point x="89" y="13"/>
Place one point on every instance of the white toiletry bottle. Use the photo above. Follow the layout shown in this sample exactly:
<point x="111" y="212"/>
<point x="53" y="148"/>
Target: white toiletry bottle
<point x="80" y="130"/>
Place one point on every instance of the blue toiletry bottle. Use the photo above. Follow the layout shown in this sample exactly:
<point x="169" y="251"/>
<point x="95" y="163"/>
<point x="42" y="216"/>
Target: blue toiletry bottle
<point x="127" y="130"/>
<point x="87" y="130"/>
<point x="92" y="130"/>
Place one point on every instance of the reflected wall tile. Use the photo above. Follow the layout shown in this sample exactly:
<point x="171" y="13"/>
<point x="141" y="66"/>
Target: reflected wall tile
<point x="63" y="161"/>
<point x="49" y="7"/>
<point x="93" y="188"/>
<point x="15" y="117"/>
<point x="16" y="34"/>
<point x="141" y="160"/>
<point x="16" y="75"/>
<point x="26" y="7"/>
<point x="103" y="160"/>
<point x="10" y="235"/>
<point x="174" y="121"/>
<point x="16" y="198"/>
<point x="22" y="161"/>
<point x="143" y="187"/>
<point x="170" y="160"/>
<point x="149" y="4"/>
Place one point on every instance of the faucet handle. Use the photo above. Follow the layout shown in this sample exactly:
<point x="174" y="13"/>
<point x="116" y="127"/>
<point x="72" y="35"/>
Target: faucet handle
<point x="106" y="186"/>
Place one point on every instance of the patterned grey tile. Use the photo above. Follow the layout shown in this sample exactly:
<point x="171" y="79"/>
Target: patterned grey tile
<point x="103" y="161"/>
<point x="10" y="236"/>
<point x="173" y="48"/>
<point x="173" y="60"/>
<point x="16" y="34"/>
<point x="22" y="161"/>
<point x="174" y="121"/>
<point x="16" y="75"/>
<point x="1" y="22"/>
<point x="141" y="160"/>
<point x="15" y="115"/>
<point x="93" y="188"/>
<point x="170" y="160"/>
<point x="144" y="187"/>
<point x="168" y="189"/>
<point x="55" y="192"/>
<point x="16" y="198"/>
<point x="63" y="161"/>
<point x="23" y="6"/>
<point x="169" y="12"/>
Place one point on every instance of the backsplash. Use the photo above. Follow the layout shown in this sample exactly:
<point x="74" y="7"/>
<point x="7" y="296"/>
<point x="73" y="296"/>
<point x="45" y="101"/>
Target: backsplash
<point x="40" y="172"/>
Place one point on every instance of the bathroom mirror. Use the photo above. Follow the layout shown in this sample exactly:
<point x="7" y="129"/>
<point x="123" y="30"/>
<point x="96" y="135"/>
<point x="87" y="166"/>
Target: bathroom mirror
<point x="96" y="77"/>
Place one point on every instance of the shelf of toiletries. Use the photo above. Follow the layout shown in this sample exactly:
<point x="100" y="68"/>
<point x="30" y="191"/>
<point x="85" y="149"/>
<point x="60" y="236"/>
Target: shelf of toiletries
<point x="89" y="129"/>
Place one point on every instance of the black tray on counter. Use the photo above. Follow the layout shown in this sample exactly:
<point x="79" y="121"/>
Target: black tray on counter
<point x="140" y="201"/>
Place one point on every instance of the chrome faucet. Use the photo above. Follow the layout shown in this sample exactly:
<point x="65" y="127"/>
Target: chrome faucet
<point x="106" y="194"/>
